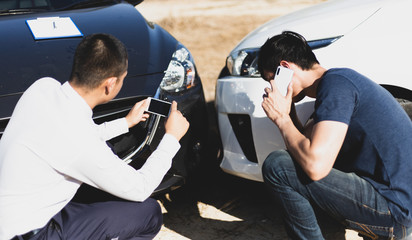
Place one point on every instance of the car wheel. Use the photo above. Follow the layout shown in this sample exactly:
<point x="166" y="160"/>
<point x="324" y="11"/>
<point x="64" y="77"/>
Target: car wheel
<point x="406" y="105"/>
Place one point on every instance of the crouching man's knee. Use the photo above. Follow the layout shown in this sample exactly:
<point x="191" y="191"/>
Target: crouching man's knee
<point x="275" y="166"/>
<point x="154" y="218"/>
<point x="144" y="220"/>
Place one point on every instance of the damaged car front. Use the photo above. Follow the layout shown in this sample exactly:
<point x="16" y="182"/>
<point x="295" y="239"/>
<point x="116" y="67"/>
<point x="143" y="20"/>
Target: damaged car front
<point x="159" y="66"/>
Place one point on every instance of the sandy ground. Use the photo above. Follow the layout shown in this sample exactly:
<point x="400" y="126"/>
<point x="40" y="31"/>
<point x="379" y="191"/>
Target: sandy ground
<point x="213" y="204"/>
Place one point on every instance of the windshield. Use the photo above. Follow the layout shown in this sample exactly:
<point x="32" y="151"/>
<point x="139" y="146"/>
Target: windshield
<point x="21" y="6"/>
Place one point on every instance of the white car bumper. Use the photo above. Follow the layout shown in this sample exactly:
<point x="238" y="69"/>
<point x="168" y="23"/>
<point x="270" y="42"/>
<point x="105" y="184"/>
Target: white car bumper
<point x="237" y="100"/>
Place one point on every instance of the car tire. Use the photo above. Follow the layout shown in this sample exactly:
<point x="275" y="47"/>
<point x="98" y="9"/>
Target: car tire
<point x="406" y="105"/>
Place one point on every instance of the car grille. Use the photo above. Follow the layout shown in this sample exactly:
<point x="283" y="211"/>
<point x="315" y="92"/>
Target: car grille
<point x="243" y="131"/>
<point x="3" y="124"/>
<point x="132" y="147"/>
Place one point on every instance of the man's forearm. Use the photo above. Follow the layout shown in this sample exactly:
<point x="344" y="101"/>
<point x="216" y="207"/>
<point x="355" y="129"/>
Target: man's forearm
<point x="296" y="143"/>
<point x="317" y="152"/>
<point x="295" y="119"/>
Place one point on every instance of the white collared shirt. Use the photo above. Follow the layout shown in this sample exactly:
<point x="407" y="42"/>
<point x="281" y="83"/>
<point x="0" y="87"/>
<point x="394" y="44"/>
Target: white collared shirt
<point x="51" y="146"/>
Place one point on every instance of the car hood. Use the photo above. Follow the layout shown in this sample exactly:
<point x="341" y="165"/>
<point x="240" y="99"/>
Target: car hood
<point x="324" y="20"/>
<point x="24" y="60"/>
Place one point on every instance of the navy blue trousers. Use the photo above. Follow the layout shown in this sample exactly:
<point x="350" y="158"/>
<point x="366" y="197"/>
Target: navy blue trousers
<point x="105" y="220"/>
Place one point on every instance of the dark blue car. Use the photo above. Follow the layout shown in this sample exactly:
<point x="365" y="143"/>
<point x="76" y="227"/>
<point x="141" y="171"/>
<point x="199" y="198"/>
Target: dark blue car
<point x="159" y="66"/>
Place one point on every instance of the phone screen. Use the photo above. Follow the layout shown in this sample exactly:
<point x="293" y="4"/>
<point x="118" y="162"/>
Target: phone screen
<point x="159" y="107"/>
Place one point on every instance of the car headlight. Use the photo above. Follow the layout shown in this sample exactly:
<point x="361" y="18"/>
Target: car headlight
<point x="180" y="73"/>
<point x="321" y="43"/>
<point x="243" y="63"/>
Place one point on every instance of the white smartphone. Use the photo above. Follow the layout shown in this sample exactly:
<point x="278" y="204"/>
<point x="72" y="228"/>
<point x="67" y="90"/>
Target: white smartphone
<point x="283" y="77"/>
<point x="159" y="107"/>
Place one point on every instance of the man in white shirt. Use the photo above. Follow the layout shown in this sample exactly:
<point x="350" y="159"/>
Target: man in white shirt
<point x="51" y="146"/>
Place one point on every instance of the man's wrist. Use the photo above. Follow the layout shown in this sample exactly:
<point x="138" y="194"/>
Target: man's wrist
<point x="284" y="122"/>
<point x="128" y="122"/>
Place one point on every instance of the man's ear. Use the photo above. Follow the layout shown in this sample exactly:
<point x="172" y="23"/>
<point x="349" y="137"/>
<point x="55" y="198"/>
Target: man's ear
<point x="285" y="64"/>
<point x="109" y="84"/>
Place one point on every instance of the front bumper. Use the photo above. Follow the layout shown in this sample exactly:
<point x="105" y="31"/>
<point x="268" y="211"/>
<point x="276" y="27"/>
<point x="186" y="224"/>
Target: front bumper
<point x="237" y="100"/>
<point x="137" y="145"/>
<point x="192" y="105"/>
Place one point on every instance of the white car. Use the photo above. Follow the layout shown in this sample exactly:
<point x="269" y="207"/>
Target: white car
<point x="370" y="36"/>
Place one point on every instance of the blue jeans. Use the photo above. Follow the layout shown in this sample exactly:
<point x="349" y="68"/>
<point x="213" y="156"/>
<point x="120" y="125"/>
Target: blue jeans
<point x="345" y="196"/>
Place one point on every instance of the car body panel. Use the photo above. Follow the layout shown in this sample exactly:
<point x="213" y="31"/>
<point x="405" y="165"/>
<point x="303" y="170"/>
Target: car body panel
<point x="374" y="40"/>
<point x="51" y="56"/>
<point x="150" y="49"/>
<point x="376" y="37"/>
<point x="238" y="98"/>
<point x="317" y="22"/>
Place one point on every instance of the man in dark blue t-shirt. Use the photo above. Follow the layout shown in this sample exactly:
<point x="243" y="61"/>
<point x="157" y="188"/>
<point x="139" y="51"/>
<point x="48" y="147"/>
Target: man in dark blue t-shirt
<point x="353" y="159"/>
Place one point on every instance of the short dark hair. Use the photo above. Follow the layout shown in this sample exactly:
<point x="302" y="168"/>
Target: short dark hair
<point x="288" y="46"/>
<point x="97" y="57"/>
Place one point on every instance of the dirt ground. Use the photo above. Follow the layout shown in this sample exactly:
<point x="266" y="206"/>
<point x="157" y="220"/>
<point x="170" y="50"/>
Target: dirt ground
<point x="213" y="204"/>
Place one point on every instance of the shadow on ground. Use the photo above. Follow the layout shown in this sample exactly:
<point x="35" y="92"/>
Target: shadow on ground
<point x="216" y="205"/>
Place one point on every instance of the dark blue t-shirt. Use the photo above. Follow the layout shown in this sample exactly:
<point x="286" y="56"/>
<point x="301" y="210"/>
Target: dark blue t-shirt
<point x="378" y="144"/>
